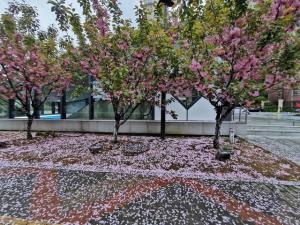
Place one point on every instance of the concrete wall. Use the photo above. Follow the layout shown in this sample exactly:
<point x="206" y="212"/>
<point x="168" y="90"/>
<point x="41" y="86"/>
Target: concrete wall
<point x="131" y="127"/>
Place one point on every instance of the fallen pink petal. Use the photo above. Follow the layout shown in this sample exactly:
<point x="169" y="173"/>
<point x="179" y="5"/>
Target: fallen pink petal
<point x="149" y="112"/>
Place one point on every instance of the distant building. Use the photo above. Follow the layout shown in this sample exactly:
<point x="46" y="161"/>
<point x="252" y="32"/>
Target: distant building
<point x="150" y="5"/>
<point x="291" y="97"/>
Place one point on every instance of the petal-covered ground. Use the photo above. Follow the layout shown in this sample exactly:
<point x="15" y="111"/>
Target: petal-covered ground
<point x="54" y="179"/>
<point x="176" y="156"/>
<point x="47" y="196"/>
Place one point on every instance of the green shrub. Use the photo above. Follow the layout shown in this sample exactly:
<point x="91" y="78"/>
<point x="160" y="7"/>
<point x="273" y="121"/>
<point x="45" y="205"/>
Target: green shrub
<point x="271" y="107"/>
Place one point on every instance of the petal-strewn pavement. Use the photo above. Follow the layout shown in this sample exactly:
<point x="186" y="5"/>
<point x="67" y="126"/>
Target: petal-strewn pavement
<point x="49" y="196"/>
<point x="285" y="147"/>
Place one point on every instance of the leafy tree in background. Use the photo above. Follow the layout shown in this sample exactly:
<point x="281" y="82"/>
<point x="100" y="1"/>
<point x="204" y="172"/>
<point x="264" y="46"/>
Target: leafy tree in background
<point x="129" y="63"/>
<point x="250" y="54"/>
<point x="120" y="63"/>
<point x="31" y="68"/>
<point x="233" y="51"/>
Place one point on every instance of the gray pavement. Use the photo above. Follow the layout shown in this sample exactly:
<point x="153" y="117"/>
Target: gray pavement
<point x="284" y="116"/>
<point x="278" y="133"/>
<point x="285" y="147"/>
<point x="47" y="196"/>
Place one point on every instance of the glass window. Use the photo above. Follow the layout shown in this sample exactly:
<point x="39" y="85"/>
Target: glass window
<point x="3" y="109"/>
<point x="104" y="111"/>
<point x="296" y="92"/>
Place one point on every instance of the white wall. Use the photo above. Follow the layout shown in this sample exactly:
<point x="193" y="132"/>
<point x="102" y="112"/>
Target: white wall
<point x="131" y="127"/>
<point x="175" y="106"/>
<point x="202" y="110"/>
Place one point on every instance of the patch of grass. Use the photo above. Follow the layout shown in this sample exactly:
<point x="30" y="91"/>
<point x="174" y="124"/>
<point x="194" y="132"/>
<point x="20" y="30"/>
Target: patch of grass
<point x="227" y="148"/>
<point x="175" y="166"/>
<point x="272" y="168"/>
<point x="46" y="134"/>
<point x="67" y="161"/>
<point x="28" y="157"/>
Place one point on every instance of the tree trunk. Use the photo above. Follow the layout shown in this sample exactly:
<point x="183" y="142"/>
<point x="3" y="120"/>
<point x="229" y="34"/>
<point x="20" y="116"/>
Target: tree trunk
<point x="216" y="142"/>
<point x="36" y="105"/>
<point x="29" y="124"/>
<point x="63" y="105"/>
<point x="116" y="131"/>
<point x="221" y="116"/>
<point x="217" y="134"/>
<point x="163" y="116"/>
<point x="36" y="113"/>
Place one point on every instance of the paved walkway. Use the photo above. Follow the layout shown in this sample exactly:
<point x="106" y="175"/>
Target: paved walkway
<point x="42" y="196"/>
<point x="273" y="137"/>
<point x="281" y="118"/>
<point x="286" y="147"/>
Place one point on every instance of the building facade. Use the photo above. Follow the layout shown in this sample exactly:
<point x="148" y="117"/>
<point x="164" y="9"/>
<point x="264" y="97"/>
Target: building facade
<point x="291" y="97"/>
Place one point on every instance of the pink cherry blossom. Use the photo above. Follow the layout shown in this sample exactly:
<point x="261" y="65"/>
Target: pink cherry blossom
<point x="195" y="66"/>
<point x="27" y="73"/>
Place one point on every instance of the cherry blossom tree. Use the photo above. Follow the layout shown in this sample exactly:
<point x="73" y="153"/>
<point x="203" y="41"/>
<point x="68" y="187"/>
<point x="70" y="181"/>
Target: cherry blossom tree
<point x="117" y="55"/>
<point x="121" y="66"/>
<point x="30" y="66"/>
<point x="248" y="55"/>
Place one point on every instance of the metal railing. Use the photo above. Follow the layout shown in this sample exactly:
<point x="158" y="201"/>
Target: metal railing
<point x="240" y="115"/>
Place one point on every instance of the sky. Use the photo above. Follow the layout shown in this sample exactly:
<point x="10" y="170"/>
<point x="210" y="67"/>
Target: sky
<point x="47" y="17"/>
